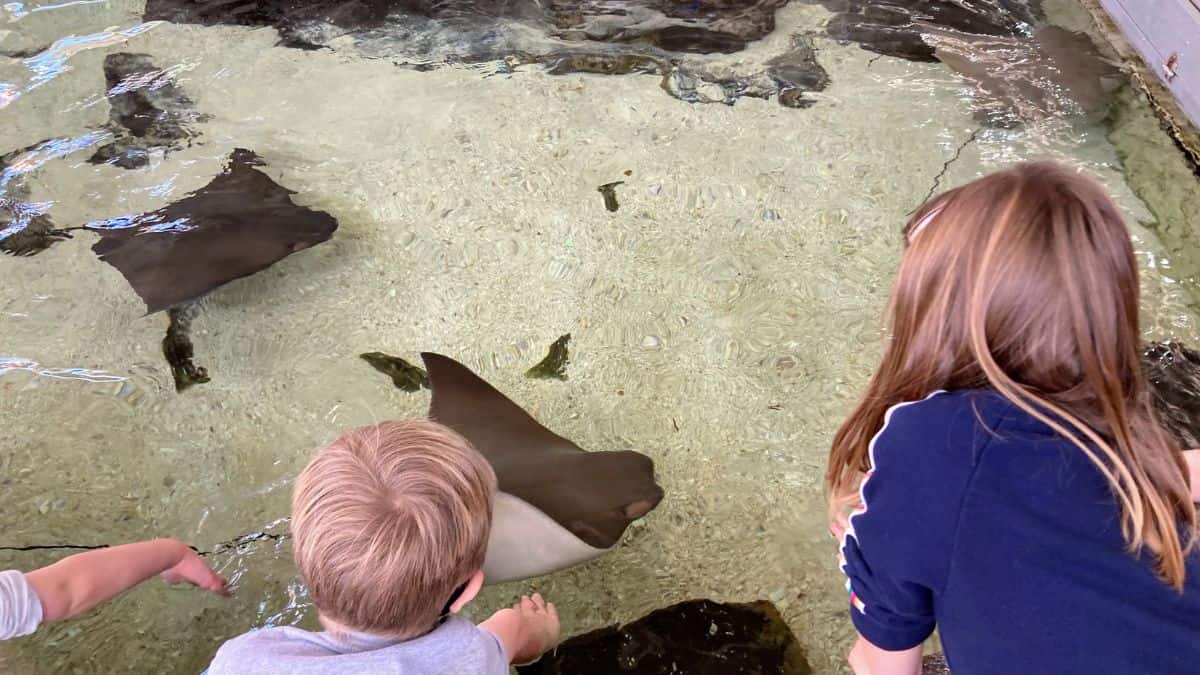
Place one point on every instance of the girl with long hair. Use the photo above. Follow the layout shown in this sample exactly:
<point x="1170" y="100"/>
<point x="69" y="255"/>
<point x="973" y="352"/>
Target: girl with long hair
<point x="1005" y="476"/>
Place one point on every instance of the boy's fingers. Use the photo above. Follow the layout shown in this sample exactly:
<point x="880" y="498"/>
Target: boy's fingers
<point x="538" y="601"/>
<point x="526" y="603"/>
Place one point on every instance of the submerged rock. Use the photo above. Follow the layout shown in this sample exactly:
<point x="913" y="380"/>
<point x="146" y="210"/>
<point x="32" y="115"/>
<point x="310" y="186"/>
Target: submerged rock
<point x="934" y="664"/>
<point x="700" y="26"/>
<point x="405" y="375"/>
<point x="555" y="364"/>
<point x="666" y="37"/>
<point x="25" y="228"/>
<point x="148" y="111"/>
<point x="1173" y="373"/>
<point x="698" y="637"/>
<point x="609" y="192"/>
<point x="796" y="72"/>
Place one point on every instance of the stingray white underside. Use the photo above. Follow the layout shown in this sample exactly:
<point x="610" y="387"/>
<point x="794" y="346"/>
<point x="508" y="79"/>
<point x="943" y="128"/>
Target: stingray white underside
<point x="527" y="543"/>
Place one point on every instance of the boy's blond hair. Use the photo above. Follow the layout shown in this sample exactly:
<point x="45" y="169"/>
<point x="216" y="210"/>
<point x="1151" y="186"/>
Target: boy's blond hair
<point x="388" y="520"/>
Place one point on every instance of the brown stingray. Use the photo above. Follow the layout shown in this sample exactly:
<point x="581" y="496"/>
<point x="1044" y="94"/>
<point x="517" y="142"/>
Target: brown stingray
<point x="1055" y="72"/>
<point x="594" y="495"/>
<point x="240" y="223"/>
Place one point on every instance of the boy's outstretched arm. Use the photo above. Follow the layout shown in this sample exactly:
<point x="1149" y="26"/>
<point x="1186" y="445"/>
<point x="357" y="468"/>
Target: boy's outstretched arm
<point x="76" y="584"/>
<point x="527" y="629"/>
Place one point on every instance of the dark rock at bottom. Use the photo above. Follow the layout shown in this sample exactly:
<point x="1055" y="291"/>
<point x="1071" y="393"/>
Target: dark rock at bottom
<point x="699" y="637"/>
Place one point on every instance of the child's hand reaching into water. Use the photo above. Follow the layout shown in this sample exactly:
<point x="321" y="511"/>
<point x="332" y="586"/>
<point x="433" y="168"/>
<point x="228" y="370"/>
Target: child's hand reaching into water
<point x="541" y="618"/>
<point x="527" y="630"/>
<point x="191" y="569"/>
<point x="74" y="585"/>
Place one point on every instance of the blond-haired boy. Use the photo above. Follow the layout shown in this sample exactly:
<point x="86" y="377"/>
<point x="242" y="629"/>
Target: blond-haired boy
<point x="390" y="526"/>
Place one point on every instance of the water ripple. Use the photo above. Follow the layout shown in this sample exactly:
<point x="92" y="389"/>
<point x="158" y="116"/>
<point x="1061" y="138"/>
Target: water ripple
<point x="48" y="151"/>
<point x="15" y="363"/>
<point x="8" y="93"/>
<point x="53" y="62"/>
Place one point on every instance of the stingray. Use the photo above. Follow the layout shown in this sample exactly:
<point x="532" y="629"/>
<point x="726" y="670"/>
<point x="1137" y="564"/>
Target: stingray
<point x="241" y="223"/>
<point x="1055" y="72"/>
<point x="558" y="505"/>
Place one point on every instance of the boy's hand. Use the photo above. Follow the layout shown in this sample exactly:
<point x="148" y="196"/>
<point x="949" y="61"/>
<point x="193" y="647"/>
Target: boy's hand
<point x="192" y="569"/>
<point x="527" y="630"/>
<point x="541" y="619"/>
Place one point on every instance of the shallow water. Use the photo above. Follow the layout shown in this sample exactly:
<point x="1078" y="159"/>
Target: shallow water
<point x="722" y="320"/>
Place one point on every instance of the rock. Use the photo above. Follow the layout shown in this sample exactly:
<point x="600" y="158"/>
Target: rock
<point x="405" y="375"/>
<point x="664" y="37"/>
<point x="1173" y="374"/>
<point x="148" y="111"/>
<point x="698" y="637"/>
<point x="934" y="664"/>
<point x="554" y="366"/>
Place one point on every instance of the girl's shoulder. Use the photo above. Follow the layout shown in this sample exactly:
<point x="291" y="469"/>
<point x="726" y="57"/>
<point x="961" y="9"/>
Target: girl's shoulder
<point x="951" y="427"/>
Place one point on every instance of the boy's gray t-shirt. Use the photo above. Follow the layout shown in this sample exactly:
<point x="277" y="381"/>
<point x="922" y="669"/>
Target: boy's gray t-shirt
<point x="457" y="647"/>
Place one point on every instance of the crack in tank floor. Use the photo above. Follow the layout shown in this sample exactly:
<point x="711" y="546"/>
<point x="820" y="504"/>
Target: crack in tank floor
<point x="722" y="321"/>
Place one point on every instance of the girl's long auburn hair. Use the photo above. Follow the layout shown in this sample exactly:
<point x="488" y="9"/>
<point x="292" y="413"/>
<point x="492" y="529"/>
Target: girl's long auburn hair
<point x="1025" y="282"/>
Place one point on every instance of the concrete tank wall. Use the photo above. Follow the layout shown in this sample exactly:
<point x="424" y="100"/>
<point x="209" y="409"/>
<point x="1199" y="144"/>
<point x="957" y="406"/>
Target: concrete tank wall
<point x="1165" y="32"/>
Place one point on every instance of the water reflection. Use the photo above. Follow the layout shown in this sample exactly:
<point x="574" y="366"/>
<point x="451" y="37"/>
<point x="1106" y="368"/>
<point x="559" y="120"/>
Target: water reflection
<point x="8" y="93"/>
<point x="53" y="62"/>
<point x="10" y="364"/>
<point x="17" y="10"/>
<point x="46" y="151"/>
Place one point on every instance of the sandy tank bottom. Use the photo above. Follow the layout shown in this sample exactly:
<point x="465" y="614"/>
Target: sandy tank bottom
<point x="723" y="320"/>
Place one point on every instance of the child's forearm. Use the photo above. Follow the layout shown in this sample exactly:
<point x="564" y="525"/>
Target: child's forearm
<point x="76" y="584"/>
<point x="867" y="659"/>
<point x="1192" y="457"/>
<point x="508" y="628"/>
<point x="527" y="629"/>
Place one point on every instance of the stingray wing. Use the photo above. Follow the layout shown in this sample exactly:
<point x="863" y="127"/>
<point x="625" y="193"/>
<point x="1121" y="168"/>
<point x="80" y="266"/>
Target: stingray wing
<point x="242" y="222"/>
<point x="594" y="495"/>
<point x="497" y="427"/>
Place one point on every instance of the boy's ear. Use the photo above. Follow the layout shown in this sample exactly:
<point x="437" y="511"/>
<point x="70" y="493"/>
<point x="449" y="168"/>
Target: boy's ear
<point x="473" y="585"/>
